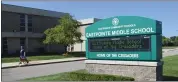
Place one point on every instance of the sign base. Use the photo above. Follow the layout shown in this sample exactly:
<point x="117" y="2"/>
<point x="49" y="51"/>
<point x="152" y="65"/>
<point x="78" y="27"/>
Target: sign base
<point x="139" y="70"/>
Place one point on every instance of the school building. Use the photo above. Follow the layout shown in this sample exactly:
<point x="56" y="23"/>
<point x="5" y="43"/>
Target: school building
<point x="24" y="26"/>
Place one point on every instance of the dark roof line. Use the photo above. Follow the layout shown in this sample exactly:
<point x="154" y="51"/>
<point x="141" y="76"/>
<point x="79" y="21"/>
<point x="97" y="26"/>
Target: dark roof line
<point x="34" y="11"/>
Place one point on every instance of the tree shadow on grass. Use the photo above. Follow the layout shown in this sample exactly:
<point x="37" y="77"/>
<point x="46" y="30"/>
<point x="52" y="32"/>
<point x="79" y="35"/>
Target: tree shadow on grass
<point x="170" y="78"/>
<point x="77" y="54"/>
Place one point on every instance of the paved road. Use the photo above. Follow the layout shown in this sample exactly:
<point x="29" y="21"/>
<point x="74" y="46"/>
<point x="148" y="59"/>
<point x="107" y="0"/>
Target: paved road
<point x="170" y="52"/>
<point x="18" y="73"/>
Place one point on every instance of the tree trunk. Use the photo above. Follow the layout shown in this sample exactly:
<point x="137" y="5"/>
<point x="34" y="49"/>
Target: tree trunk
<point x="66" y="51"/>
<point x="66" y="54"/>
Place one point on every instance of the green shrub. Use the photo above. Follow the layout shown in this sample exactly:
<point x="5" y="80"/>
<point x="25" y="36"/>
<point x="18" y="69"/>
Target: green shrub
<point x="74" y="76"/>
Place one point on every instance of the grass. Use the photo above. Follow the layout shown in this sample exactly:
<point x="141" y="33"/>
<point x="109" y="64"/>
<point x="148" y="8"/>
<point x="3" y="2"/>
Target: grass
<point x="34" y="58"/>
<point x="170" y="47"/>
<point x="170" y="68"/>
<point x="80" y="75"/>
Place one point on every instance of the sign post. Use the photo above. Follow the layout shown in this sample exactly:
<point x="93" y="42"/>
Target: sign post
<point x="122" y="43"/>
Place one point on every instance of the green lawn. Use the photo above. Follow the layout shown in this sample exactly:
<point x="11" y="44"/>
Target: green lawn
<point x="170" y="70"/>
<point x="34" y="58"/>
<point x="80" y="75"/>
<point x="170" y="73"/>
<point x="169" y="47"/>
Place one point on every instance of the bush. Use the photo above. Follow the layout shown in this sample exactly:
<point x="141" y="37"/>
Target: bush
<point x="74" y="76"/>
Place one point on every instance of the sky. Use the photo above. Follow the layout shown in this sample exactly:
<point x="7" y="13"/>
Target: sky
<point x="167" y="12"/>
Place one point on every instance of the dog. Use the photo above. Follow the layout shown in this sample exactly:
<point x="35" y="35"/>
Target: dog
<point x="24" y="61"/>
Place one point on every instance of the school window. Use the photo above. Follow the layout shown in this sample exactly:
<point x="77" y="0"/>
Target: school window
<point x="5" y="46"/>
<point x="30" y="23"/>
<point x="4" y="41"/>
<point x="70" y="48"/>
<point x="22" y="41"/>
<point x="22" y="28"/>
<point x="22" y="16"/>
<point x="29" y="29"/>
<point x="22" y="20"/>
<point x="22" y="24"/>
<point x="29" y="20"/>
<point x="5" y="51"/>
<point x="29" y="16"/>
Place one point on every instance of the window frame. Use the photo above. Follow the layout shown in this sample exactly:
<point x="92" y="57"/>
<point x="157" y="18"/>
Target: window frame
<point x="22" y="41"/>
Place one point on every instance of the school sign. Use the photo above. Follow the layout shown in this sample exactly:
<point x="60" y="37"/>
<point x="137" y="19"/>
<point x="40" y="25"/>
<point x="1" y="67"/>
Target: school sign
<point x="124" y="38"/>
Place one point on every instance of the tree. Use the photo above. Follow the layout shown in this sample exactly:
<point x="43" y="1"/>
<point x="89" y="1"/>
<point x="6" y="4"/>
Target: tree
<point x="165" y="41"/>
<point x="172" y="38"/>
<point x="65" y="33"/>
<point x="176" y="41"/>
<point x="172" y="41"/>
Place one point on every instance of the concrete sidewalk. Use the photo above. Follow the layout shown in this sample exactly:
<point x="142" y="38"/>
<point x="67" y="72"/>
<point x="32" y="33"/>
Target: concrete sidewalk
<point x="41" y="62"/>
<point x="168" y="50"/>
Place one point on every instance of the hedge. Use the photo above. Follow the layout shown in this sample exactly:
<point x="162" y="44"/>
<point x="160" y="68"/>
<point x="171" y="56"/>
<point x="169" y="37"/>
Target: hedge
<point x="76" y="76"/>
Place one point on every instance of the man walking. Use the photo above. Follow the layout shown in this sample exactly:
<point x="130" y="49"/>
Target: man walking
<point x="22" y="56"/>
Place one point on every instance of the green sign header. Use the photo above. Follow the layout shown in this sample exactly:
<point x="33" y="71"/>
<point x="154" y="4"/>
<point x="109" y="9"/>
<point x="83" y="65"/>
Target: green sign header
<point x="123" y="25"/>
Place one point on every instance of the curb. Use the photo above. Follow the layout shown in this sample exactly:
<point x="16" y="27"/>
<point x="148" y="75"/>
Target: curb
<point x="43" y="63"/>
